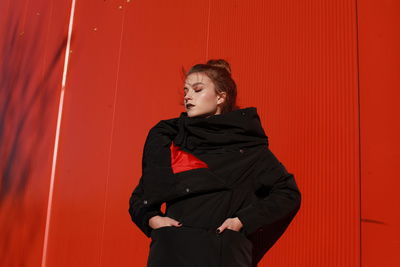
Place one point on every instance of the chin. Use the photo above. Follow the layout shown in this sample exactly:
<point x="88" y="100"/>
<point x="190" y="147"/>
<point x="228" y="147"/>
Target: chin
<point x="192" y="114"/>
<point x="197" y="114"/>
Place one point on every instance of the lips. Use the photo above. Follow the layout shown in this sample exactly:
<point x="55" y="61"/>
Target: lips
<point x="189" y="105"/>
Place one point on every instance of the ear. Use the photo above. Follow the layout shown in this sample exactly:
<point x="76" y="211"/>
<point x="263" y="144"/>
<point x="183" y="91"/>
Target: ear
<point x="221" y="98"/>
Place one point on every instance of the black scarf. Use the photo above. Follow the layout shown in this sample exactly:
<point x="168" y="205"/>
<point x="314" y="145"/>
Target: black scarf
<point x="222" y="132"/>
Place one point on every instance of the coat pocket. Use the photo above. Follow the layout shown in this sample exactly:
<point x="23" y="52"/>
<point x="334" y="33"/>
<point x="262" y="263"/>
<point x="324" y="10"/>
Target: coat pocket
<point x="162" y="228"/>
<point x="239" y="236"/>
<point x="236" y="249"/>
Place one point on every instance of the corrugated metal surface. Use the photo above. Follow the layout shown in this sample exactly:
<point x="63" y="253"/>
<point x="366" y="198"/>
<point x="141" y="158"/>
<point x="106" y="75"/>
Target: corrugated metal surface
<point x="379" y="41"/>
<point x="296" y="61"/>
<point x="320" y="102"/>
<point x="31" y="59"/>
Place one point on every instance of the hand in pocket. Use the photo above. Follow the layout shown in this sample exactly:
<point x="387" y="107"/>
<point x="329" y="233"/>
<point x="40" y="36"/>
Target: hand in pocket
<point x="161" y="221"/>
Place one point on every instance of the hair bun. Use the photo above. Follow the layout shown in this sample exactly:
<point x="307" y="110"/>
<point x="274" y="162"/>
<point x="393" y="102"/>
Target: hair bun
<point x="220" y="63"/>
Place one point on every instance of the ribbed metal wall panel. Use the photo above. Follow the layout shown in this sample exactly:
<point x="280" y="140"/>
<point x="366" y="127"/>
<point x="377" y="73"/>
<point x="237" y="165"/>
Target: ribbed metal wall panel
<point x="296" y="61"/>
<point x="379" y="47"/>
<point x="32" y="47"/>
<point x="310" y="67"/>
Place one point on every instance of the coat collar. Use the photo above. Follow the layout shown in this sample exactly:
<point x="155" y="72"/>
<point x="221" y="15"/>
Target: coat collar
<point x="227" y="131"/>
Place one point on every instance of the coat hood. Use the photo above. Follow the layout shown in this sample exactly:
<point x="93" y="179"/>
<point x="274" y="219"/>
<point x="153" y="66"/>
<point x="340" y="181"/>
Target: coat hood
<point x="227" y="131"/>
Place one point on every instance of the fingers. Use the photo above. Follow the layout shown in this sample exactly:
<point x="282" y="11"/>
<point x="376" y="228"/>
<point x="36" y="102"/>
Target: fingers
<point x="175" y="223"/>
<point x="178" y="224"/>
<point x="223" y="226"/>
<point x="231" y="223"/>
<point x="221" y="229"/>
<point x="164" y="221"/>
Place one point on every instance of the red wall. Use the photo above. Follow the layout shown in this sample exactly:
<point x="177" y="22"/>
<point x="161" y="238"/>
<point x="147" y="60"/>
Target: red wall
<point x="379" y="49"/>
<point x="322" y="75"/>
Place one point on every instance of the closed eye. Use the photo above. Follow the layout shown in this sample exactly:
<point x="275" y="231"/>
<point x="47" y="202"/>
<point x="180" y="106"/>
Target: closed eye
<point x="185" y="90"/>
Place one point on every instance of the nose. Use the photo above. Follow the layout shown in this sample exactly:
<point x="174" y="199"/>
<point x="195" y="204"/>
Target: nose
<point x="187" y="96"/>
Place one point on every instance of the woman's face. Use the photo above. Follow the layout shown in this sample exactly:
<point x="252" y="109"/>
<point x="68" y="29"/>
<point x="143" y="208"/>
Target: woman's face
<point x="199" y="91"/>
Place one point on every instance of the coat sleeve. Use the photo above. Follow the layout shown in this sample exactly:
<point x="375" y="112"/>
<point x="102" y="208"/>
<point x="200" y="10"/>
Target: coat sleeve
<point x="145" y="201"/>
<point x="140" y="213"/>
<point x="277" y="197"/>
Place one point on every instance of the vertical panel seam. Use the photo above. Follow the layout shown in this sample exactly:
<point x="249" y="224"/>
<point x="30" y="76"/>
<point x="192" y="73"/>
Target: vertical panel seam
<point x="359" y="132"/>
<point x="208" y="28"/>
<point x="57" y="135"/>
<point x="111" y="138"/>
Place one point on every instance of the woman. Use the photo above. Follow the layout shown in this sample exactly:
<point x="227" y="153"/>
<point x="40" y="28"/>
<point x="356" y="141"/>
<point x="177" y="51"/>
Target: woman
<point x="228" y="198"/>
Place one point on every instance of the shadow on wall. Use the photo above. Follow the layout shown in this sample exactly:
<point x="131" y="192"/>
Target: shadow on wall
<point x="29" y="91"/>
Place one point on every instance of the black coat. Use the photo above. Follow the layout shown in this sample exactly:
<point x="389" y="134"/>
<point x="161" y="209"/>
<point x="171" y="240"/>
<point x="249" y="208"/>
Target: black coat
<point x="238" y="176"/>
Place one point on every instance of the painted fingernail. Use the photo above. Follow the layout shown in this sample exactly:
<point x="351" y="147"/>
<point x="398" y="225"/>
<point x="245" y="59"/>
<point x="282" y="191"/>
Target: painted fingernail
<point x="217" y="231"/>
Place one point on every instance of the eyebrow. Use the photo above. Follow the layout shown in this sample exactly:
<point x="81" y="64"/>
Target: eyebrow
<point x="195" y="84"/>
